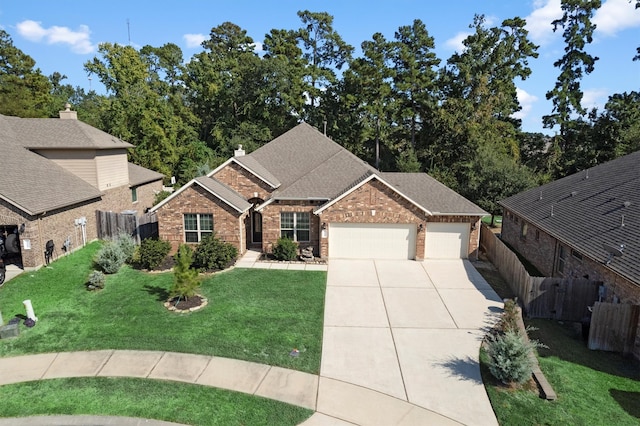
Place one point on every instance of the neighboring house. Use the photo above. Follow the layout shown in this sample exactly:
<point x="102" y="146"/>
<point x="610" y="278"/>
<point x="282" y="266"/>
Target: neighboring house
<point x="304" y="186"/>
<point x="56" y="173"/>
<point x="583" y="225"/>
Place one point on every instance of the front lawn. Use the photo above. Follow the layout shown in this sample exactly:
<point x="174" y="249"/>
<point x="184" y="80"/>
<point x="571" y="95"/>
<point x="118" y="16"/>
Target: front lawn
<point x="254" y="315"/>
<point x="173" y="402"/>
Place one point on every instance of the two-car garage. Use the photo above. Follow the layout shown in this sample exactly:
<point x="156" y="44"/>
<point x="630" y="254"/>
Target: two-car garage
<point x="397" y="241"/>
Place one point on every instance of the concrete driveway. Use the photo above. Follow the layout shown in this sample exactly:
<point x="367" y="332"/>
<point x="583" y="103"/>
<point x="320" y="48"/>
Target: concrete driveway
<point x="411" y="330"/>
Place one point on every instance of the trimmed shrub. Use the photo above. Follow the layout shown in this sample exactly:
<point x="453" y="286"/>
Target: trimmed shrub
<point x="285" y="249"/>
<point x="214" y="254"/>
<point x="96" y="280"/>
<point x="509" y="356"/>
<point x="110" y="258"/>
<point x="127" y="244"/>
<point x="185" y="279"/>
<point x="152" y="252"/>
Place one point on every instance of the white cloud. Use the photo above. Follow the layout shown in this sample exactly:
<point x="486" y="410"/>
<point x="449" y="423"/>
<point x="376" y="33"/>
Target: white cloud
<point x="616" y="15"/>
<point x="194" y="40"/>
<point x="594" y="98"/>
<point x="539" y="21"/>
<point x="78" y="40"/>
<point x="455" y="43"/>
<point x="526" y="101"/>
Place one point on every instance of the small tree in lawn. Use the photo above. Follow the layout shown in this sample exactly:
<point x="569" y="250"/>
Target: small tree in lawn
<point x="185" y="279"/>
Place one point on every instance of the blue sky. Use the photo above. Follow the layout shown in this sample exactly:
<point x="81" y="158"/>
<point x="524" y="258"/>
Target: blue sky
<point x="62" y="36"/>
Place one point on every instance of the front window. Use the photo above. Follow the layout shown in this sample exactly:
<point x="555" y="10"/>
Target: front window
<point x="295" y="226"/>
<point x="197" y="226"/>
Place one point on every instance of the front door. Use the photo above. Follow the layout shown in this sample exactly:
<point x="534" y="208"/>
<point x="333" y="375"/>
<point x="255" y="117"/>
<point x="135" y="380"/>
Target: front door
<point x="256" y="227"/>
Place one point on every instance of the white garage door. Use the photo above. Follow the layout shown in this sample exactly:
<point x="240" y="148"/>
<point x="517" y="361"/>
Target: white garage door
<point x="447" y="241"/>
<point x="372" y="241"/>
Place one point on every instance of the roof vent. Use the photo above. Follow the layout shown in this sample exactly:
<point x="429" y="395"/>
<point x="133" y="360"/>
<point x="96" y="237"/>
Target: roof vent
<point x="627" y="203"/>
<point x="239" y="152"/>
<point x="67" y="114"/>
<point x="574" y="193"/>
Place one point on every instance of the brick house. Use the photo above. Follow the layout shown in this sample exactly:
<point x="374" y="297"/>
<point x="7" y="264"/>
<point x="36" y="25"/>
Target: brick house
<point x="304" y="186"/>
<point x="583" y="225"/>
<point x="56" y="174"/>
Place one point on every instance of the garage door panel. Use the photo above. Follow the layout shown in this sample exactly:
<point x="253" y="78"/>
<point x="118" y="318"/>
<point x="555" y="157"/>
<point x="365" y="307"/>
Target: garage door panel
<point x="372" y="241"/>
<point x="447" y="241"/>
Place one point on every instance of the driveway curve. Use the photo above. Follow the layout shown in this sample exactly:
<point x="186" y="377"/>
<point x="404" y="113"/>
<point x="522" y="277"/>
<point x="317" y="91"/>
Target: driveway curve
<point x="411" y="330"/>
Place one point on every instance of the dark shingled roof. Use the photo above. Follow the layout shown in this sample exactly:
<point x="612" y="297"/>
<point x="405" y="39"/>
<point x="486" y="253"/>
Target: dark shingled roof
<point x="305" y="164"/>
<point x="43" y="133"/>
<point x="431" y="194"/>
<point x="31" y="182"/>
<point x="225" y="193"/>
<point x="139" y="175"/>
<point x="35" y="184"/>
<point x="588" y="210"/>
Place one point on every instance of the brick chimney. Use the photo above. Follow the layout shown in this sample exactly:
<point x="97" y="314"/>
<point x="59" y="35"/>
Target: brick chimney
<point x="67" y="114"/>
<point x="238" y="152"/>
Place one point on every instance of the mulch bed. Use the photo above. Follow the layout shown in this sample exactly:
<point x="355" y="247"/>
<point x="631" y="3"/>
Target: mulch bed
<point x="186" y="305"/>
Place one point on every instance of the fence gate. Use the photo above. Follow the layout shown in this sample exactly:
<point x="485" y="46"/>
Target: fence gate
<point x="111" y="224"/>
<point x="614" y="327"/>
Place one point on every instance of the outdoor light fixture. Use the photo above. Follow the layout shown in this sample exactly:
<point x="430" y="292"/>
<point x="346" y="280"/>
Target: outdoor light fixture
<point x="22" y="228"/>
<point x="420" y="227"/>
<point x="324" y="225"/>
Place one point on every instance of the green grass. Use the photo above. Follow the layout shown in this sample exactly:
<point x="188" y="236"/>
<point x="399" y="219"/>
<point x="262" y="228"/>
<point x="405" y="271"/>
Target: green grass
<point x="174" y="402"/>
<point x="593" y="387"/>
<point x="497" y="221"/>
<point x="254" y="315"/>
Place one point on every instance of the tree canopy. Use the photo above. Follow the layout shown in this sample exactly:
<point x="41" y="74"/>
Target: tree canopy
<point x="396" y="105"/>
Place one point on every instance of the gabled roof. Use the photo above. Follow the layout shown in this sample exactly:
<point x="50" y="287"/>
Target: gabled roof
<point x="307" y="165"/>
<point x="31" y="182"/>
<point x="139" y="175"/>
<point x="215" y="188"/>
<point x="35" y="184"/>
<point x="587" y="209"/>
<point x="312" y="166"/>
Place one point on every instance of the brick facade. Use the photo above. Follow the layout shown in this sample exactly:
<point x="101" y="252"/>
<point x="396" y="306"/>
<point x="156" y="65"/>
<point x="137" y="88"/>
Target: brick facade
<point x="228" y="224"/>
<point x="271" y="224"/>
<point x="542" y="250"/>
<point x="58" y="225"/>
<point x="358" y="207"/>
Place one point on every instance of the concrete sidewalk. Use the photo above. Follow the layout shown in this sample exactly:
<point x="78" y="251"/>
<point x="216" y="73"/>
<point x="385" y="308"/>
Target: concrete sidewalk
<point x="411" y="330"/>
<point x="336" y="403"/>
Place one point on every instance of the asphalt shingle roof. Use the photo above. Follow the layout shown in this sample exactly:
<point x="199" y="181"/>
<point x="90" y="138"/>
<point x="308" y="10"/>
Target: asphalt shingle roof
<point x="139" y="175"/>
<point x="589" y="209"/>
<point x="310" y="165"/>
<point x="37" y="185"/>
<point x="227" y="194"/>
<point x="431" y="194"/>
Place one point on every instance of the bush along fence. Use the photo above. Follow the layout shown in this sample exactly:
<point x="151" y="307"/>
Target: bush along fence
<point x="611" y="327"/>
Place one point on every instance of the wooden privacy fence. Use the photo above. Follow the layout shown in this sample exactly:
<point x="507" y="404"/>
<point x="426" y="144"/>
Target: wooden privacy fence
<point x="614" y="327"/>
<point x="111" y="224"/>
<point x="564" y="299"/>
